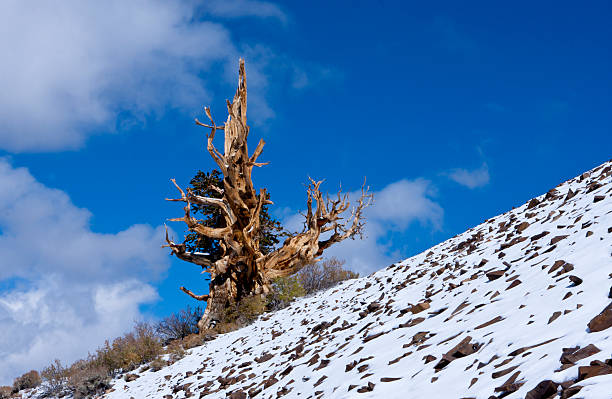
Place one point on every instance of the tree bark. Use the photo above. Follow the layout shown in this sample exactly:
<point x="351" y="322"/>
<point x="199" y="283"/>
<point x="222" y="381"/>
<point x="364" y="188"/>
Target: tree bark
<point x="243" y="270"/>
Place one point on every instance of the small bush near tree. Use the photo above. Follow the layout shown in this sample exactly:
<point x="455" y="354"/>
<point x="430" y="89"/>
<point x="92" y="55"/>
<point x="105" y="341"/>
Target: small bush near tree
<point x="323" y="275"/>
<point x="179" y="325"/>
<point x="241" y="314"/>
<point x="31" y="379"/>
<point x="284" y="291"/>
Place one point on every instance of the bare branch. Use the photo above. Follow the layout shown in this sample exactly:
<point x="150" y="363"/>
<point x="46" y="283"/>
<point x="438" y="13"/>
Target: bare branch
<point x="194" y="296"/>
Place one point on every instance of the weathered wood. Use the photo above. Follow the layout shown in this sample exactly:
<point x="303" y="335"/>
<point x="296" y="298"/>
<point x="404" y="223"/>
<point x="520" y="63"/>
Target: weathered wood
<point x="243" y="269"/>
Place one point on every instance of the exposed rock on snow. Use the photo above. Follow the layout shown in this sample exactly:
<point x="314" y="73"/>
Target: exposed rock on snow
<point x="493" y="312"/>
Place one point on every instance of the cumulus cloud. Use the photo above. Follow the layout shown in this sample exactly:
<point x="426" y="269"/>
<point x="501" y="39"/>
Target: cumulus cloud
<point x="471" y="178"/>
<point x="71" y="68"/>
<point x="395" y="208"/>
<point x="69" y="288"/>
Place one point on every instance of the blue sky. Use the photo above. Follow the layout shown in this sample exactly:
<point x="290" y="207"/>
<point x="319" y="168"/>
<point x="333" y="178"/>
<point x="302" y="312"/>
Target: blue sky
<point x="454" y="112"/>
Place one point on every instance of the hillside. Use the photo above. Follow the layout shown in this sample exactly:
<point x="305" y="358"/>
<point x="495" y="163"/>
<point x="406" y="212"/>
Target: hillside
<point x="506" y="309"/>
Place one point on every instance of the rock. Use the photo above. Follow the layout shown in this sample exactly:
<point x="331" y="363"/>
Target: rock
<point x="264" y="358"/>
<point x="390" y="379"/>
<point x="533" y="203"/>
<point x="575" y="279"/>
<point x="488" y="323"/>
<point x="610" y="294"/>
<point x="571" y="391"/>
<point x="514" y="284"/>
<point x="521" y="227"/>
<point x="574" y="355"/>
<point x="543" y="390"/>
<point x="598" y="198"/>
<point x="419" y="307"/>
<point x="554" y="317"/>
<point x="556" y="239"/>
<point x="462" y="349"/>
<point x="596" y="368"/>
<point x="131" y="377"/>
<point x="538" y="236"/>
<point x="602" y="321"/>
<point x="374" y="306"/>
<point x="494" y="275"/>
<point x="239" y="394"/>
<point x="367" y="388"/>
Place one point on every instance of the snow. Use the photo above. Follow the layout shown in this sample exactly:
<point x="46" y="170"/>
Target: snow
<point x="449" y="277"/>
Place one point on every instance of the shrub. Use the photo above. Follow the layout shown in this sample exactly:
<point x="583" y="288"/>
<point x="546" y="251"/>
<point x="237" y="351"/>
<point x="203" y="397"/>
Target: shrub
<point x="284" y="291"/>
<point x="241" y="314"/>
<point x="175" y="350"/>
<point x="54" y="376"/>
<point x="180" y="325"/>
<point x="322" y="275"/>
<point x="31" y="379"/>
<point x="128" y="352"/>
<point x="86" y="378"/>
<point x="5" y="392"/>
<point x="158" y="364"/>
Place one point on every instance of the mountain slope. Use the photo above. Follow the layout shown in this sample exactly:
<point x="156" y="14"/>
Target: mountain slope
<point x="486" y="313"/>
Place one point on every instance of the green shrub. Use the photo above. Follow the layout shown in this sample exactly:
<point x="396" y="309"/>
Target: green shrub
<point x="284" y="291"/>
<point x="240" y="314"/>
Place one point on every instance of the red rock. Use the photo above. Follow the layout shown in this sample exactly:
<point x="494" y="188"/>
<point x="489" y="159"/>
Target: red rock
<point x="598" y="198"/>
<point x="556" y="239"/>
<point x="514" y="284"/>
<point x="574" y="355"/>
<point x="390" y="379"/>
<point x="494" y="275"/>
<point x="575" y="279"/>
<point x="419" y="307"/>
<point x="488" y="323"/>
<point x="533" y="203"/>
<point x="596" y="368"/>
<point x="543" y="390"/>
<point x="522" y="227"/>
<point x="554" y="317"/>
<point x="602" y="321"/>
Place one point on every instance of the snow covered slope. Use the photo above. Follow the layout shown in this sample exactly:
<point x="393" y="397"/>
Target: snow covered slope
<point x="493" y="312"/>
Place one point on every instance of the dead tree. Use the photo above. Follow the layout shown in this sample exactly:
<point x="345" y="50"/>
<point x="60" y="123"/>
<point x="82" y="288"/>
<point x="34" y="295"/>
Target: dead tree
<point x="243" y="269"/>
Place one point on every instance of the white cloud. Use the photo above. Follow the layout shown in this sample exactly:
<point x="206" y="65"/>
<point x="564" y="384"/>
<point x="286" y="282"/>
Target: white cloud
<point x="244" y="8"/>
<point x="395" y="208"/>
<point x="70" y="68"/>
<point x="71" y="287"/>
<point x="471" y="178"/>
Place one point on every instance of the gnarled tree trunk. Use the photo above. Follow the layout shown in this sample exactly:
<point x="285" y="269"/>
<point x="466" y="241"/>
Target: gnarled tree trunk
<point x="243" y="269"/>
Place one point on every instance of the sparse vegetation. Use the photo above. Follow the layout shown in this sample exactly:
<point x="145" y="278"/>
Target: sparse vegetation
<point x="284" y="291"/>
<point x="5" y="392"/>
<point x="130" y="351"/>
<point x="173" y="336"/>
<point x="31" y="379"/>
<point x="55" y="376"/>
<point x="179" y="325"/>
<point x="323" y="275"/>
<point x="310" y="279"/>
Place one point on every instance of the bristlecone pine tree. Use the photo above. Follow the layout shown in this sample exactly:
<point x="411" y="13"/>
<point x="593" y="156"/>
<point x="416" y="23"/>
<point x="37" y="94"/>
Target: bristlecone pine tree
<point x="242" y="269"/>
